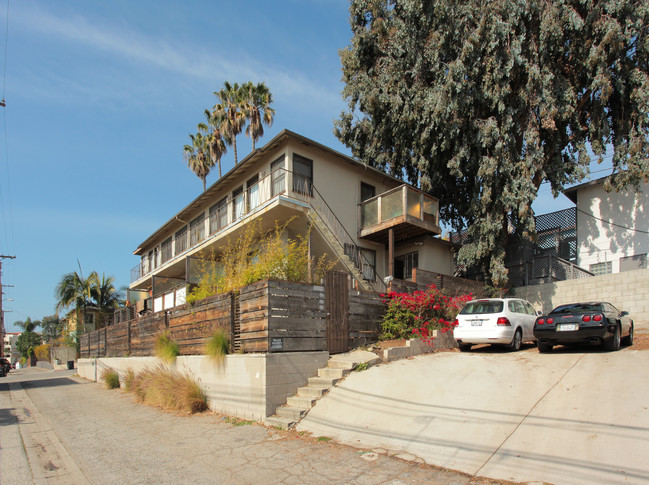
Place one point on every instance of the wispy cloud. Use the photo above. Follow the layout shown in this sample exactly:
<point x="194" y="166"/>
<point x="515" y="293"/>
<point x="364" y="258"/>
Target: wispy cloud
<point x="190" y="61"/>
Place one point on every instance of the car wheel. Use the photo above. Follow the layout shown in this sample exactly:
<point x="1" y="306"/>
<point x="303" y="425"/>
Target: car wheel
<point x="464" y="347"/>
<point x="613" y="343"/>
<point x="544" y="348"/>
<point x="628" y="340"/>
<point x="516" y="342"/>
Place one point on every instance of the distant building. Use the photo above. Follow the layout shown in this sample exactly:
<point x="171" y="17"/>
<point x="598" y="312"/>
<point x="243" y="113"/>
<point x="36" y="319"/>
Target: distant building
<point x="10" y="350"/>
<point x="612" y="227"/>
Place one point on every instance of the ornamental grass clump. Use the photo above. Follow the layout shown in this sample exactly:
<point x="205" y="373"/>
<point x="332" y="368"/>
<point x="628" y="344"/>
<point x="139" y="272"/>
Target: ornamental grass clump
<point x="418" y="314"/>
<point x="218" y="345"/>
<point x="169" y="390"/>
<point x="129" y="378"/>
<point x="166" y="348"/>
<point x="110" y="378"/>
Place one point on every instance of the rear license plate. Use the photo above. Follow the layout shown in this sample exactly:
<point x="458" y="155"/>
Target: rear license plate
<point x="567" y="327"/>
<point x="476" y="323"/>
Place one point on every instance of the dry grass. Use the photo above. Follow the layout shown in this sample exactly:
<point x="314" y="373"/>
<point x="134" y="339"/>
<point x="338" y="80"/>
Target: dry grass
<point x="166" y="348"/>
<point x="169" y="390"/>
<point x="110" y="378"/>
<point x="129" y="378"/>
<point x="218" y="345"/>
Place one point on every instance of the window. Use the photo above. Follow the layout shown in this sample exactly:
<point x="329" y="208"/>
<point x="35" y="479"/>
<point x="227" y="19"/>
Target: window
<point x="89" y="318"/>
<point x="367" y="191"/>
<point x="516" y="306"/>
<point x="629" y="263"/>
<point x="601" y="268"/>
<point x="181" y="240"/>
<point x="166" y="251"/>
<point x="197" y="230"/>
<point x="403" y="265"/>
<point x="237" y="204"/>
<point x="368" y="261"/>
<point x="219" y="215"/>
<point x="302" y="175"/>
<point x="252" y="187"/>
<point x="277" y="176"/>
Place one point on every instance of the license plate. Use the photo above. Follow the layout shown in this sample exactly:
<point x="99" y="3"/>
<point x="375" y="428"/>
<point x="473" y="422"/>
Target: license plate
<point x="476" y="323"/>
<point x="567" y="327"/>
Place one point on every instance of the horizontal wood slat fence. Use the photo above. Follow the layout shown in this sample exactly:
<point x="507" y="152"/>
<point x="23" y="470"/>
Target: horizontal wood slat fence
<point x="267" y="316"/>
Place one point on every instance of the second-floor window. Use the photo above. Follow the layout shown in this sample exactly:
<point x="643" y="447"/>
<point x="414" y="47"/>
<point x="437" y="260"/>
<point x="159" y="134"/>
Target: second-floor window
<point x="166" y="251"/>
<point x="252" y="186"/>
<point x="181" y="240"/>
<point x="197" y="230"/>
<point x="219" y="215"/>
<point x="302" y="175"/>
<point x="237" y="204"/>
<point x="277" y="176"/>
<point x="367" y="191"/>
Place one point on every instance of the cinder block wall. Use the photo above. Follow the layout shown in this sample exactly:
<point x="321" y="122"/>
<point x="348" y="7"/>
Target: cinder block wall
<point x="627" y="291"/>
<point x="248" y="386"/>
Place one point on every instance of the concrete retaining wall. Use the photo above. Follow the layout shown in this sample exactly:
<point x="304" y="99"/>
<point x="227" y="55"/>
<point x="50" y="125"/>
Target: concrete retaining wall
<point x="248" y="386"/>
<point x="627" y="291"/>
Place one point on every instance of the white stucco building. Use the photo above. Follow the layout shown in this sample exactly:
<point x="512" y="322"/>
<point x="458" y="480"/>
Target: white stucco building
<point x="612" y="227"/>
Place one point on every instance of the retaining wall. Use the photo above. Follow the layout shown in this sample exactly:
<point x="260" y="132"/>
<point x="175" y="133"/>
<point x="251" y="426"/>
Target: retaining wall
<point x="628" y="291"/>
<point x="248" y="386"/>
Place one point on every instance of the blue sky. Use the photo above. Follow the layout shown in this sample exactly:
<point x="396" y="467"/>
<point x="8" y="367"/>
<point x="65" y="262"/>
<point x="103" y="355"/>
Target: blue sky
<point x="101" y="97"/>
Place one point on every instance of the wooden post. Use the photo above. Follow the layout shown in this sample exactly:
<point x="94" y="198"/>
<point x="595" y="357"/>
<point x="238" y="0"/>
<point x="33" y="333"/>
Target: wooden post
<point x="128" y="338"/>
<point x="391" y="252"/>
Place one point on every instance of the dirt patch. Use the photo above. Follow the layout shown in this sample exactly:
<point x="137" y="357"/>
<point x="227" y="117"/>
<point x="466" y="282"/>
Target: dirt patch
<point x="640" y="341"/>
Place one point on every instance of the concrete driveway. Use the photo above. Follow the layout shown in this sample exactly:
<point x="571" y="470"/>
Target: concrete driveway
<point x="571" y="416"/>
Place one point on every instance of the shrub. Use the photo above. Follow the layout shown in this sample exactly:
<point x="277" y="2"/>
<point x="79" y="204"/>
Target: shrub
<point x="217" y="345"/>
<point x="110" y="378"/>
<point x="253" y="257"/>
<point x="417" y="314"/>
<point x="42" y="352"/>
<point x="166" y="348"/>
<point x="129" y="378"/>
<point x="169" y="390"/>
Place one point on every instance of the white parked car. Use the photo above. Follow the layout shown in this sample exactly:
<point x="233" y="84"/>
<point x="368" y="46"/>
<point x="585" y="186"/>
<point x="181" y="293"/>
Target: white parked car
<point x="504" y="321"/>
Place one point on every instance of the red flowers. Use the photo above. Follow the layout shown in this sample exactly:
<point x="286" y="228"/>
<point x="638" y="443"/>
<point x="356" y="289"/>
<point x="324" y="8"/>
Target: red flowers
<point x="420" y="313"/>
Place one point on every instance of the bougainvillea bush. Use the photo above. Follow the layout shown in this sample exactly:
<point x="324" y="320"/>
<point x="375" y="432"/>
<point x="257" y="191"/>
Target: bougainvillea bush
<point x="417" y="314"/>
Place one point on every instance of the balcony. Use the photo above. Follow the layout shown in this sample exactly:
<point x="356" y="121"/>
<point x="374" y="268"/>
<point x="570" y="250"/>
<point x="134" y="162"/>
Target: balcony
<point x="222" y="216"/>
<point x="407" y="211"/>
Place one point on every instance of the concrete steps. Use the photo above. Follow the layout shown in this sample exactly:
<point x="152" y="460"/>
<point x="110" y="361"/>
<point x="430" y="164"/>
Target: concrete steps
<point x="299" y="405"/>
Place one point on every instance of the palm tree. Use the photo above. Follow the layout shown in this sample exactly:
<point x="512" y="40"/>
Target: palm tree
<point x="74" y="289"/>
<point x="106" y="297"/>
<point x="257" y="109"/>
<point x="229" y="110"/>
<point x="215" y="140"/>
<point x="196" y="156"/>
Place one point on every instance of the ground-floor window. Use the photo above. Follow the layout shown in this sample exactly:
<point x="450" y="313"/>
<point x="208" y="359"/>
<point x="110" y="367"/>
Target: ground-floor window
<point x="403" y="265"/>
<point x="601" y="268"/>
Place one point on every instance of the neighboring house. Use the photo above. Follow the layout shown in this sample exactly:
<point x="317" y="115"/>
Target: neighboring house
<point x="373" y="225"/>
<point x="612" y="227"/>
<point x="10" y="348"/>
<point x="90" y="320"/>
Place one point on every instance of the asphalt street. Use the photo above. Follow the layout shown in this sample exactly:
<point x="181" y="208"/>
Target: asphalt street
<point x="58" y="429"/>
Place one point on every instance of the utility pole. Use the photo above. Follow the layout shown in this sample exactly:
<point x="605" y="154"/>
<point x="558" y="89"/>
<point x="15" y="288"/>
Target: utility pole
<point x="2" y="313"/>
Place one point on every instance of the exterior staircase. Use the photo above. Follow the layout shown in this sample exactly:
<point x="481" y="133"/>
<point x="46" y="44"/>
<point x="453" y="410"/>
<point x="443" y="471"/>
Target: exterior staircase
<point x="299" y="405"/>
<point x="338" y="249"/>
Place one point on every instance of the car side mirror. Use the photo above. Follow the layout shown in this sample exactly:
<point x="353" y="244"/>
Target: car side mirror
<point x="624" y="314"/>
<point x="539" y="313"/>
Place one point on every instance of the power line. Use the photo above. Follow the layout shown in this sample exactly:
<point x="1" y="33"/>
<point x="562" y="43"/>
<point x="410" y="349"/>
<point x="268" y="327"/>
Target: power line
<point x="613" y="223"/>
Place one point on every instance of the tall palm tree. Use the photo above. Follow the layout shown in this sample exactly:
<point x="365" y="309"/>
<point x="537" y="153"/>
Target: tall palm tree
<point x="197" y="157"/>
<point x="229" y="110"/>
<point x="215" y="140"/>
<point x="106" y="296"/>
<point x="257" y="101"/>
<point x="74" y="289"/>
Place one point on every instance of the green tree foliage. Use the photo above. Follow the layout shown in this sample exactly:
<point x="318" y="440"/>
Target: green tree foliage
<point x="28" y="325"/>
<point x="106" y="297"/>
<point x="257" y="99"/>
<point x="28" y="340"/>
<point x="230" y="111"/>
<point x="197" y="156"/>
<point x="480" y="102"/>
<point x="51" y="328"/>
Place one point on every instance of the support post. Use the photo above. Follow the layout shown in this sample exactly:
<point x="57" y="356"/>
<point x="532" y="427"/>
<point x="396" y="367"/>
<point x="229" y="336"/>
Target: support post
<point x="391" y="252"/>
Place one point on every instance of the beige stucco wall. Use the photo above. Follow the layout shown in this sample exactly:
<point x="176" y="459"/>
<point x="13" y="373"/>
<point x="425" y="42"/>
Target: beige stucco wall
<point x="627" y="291"/>
<point x="248" y="386"/>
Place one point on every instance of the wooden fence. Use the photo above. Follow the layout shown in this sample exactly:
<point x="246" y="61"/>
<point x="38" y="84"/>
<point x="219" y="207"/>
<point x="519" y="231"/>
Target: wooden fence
<point x="267" y="316"/>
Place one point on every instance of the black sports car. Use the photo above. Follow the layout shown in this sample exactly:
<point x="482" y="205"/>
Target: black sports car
<point x="576" y="323"/>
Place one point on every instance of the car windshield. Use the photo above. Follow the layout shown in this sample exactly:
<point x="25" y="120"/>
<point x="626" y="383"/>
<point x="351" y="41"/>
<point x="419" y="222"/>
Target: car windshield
<point x="578" y="308"/>
<point x="482" y="306"/>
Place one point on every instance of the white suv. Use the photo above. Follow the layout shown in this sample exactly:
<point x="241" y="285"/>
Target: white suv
<point x="508" y="321"/>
